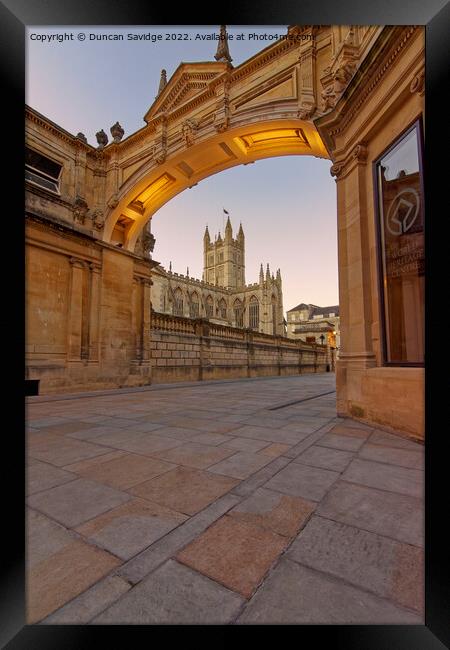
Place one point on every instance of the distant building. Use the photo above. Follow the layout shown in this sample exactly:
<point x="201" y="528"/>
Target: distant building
<point x="222" y="295"/>
<point x="310" y="323"/>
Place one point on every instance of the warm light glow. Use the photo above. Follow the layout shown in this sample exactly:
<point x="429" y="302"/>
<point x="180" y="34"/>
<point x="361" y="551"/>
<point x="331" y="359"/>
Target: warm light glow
<point x="157" y="185"/>
<point x="273" y="137"/>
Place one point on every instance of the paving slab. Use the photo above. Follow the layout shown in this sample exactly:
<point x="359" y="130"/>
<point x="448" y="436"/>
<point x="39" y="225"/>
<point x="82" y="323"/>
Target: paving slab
<point x="280" y="513"/>
<point x="126" y="471"/>
<point x="69" y="426"/>
<point x="235" y="553"/>
<point x="386" y="477"/>
<point x="174" y="594"/>
<point x="240" y="465"/>
<point x="62" y="576"/>
<point x="261" y="477"/>
<point x="390" y="440"/>
<point x="138" y="443"/>
<point x="270" y="435"/>
<point x="129" y="528"/>
<point x="90" y="603"/>
<point x="393" y="456"/>
<point x="77" y="501"/>
<point x="344" y="442"/>
<point x="299" y="480"/>
<point x="388" y="568"/>
<point x="246" y="444"/>
<point x="140" y="566"/>
<point x="275" y="450"/>
<point x="195" y="455"/>
<point x="326" y="458"/>
<point x="42" y="476"/>
<point x="59" y="450"/>
<point x="398" y="516"/>
<point x="294" y="594"/>
<point x="213" y="439"/>
<point x="185" y="490"/>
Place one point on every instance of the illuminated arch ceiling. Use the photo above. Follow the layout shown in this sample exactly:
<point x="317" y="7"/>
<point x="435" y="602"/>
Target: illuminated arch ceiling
<point x="210" y="117"/>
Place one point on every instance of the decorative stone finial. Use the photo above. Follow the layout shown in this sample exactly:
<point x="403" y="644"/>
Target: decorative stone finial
<point x="223" y="53"/>
<point x="117" y="132"/>
<point x="162" y="81"/>
<point x="102" y="139"/>
<point x="82" y="137"/>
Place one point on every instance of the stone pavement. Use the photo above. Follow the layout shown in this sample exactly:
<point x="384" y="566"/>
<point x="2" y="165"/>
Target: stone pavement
<point x="220" y="502"/>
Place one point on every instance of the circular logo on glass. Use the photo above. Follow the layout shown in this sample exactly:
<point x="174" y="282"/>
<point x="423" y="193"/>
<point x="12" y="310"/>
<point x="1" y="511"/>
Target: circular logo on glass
<point x="403" y="211"/>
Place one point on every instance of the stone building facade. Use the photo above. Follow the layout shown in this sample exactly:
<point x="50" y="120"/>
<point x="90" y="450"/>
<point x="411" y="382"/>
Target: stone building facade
<point x="222" y="295"/>
<point x="310" y="322"/>
<point x="352" y="94"/>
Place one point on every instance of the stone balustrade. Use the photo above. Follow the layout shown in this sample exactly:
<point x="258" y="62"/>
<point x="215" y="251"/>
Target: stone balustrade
<point x="185" y="349"/>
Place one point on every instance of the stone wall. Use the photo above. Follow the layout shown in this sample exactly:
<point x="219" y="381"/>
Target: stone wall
<point x="183" y="349"/>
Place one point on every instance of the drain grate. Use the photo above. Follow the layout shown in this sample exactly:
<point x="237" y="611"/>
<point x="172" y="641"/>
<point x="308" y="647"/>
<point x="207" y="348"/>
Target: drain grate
<point x="298" y="401"/>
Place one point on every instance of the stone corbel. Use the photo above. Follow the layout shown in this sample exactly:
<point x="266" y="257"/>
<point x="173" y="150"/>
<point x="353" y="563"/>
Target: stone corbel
<point x="359" y="153"/>
<point x="337" y="169"/>
<point x="418" y="83"/>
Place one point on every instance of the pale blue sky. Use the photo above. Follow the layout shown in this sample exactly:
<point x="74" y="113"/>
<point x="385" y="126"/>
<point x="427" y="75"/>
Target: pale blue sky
<point x="287" y="205"/>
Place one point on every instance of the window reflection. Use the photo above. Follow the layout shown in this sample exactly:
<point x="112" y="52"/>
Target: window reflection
<point x="402" y="250"/>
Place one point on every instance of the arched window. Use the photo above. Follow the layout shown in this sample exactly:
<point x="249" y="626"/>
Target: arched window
<point x="238" y="310"/>
<point x="209" y="306"/>
<point x="254" y="313"/>
<point x="274" y="314"/>
<point x="178" y="303"/>
<point x="222" y="308"/>
<point x="194" y="307"/>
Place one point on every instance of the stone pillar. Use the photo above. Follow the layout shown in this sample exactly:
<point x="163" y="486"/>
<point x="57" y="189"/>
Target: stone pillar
<point x="75" y="310"/>
<point x="94" y="312"/>
<point x="146" y="321"/>
<point x="356" y="351"/>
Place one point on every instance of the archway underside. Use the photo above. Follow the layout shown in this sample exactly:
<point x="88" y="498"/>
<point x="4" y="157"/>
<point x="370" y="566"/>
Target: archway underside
<point x="154" y="185"/>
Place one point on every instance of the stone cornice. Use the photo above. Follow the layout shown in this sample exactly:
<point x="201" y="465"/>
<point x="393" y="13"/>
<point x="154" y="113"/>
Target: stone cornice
<point x="37" y="118"/>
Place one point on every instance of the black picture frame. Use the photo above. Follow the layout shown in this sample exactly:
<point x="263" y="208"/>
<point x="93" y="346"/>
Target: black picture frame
<point x="14" y="16"/>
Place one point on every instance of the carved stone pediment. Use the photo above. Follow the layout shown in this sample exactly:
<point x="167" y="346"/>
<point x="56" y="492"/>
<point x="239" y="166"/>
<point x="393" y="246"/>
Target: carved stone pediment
<point x="189" y="80"/>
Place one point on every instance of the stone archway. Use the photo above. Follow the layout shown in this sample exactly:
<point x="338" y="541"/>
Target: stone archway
<point x="340" y="92"/>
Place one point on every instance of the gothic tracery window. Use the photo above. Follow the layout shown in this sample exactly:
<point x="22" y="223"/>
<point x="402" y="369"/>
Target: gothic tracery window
<point x="178" y="303"/>
<point x="254" y="313"/>
<point x="194" y="307"/>
<point x="238" y="310"/>
<point x="209" y="305"/>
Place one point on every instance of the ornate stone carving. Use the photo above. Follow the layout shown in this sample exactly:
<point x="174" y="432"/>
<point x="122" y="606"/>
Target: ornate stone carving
<point x="102" y="139"/>
<point x="148" y="243"/>
<point x="117" y="132"/>
<point x="335" y="84"/>
<point x="162" y="81"/>
<point x="306" y="112"/>
<point x="98" y="219"/>
<point x="82" y="137"/>
<point x="360" y="152"/>
<point x="223" y="53"/>
<point x="336" y="169"/>
<point x="418" y="83"/>
<point x="189" y="130"/>
<point x="222" y="114"/>
<point x="328" y="98"/>
<point x="113" y="201"/>
<point x="342" y="76"/>
<point x="80" y="209"/>
<point x="160" y="150"/>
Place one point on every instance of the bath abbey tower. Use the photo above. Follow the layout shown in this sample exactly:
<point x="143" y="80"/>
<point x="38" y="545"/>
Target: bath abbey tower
<point x="222" y="295"/>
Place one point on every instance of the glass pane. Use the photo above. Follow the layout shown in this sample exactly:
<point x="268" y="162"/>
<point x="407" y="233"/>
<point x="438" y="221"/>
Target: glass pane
<point x="403" y="252"/>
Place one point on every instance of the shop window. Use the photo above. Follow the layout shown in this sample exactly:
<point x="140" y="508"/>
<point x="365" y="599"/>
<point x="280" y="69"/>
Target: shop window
<point x="399" y="188"/>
